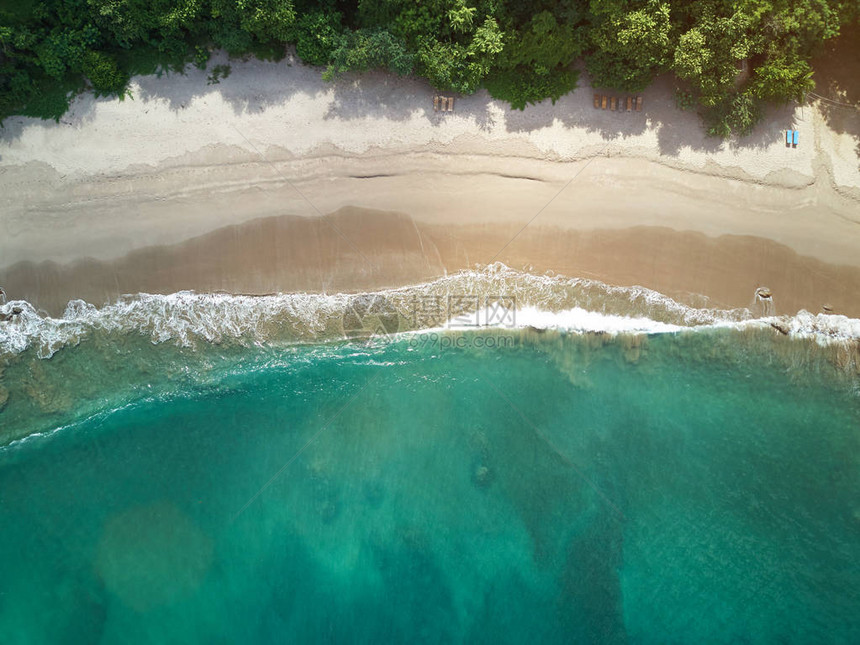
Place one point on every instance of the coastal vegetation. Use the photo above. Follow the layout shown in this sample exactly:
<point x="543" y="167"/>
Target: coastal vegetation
<point x="521" y="52"/>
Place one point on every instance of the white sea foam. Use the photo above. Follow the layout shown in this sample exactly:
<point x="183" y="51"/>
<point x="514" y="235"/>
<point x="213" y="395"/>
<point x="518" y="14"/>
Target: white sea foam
<point x="825" y="328"/>
<point x="462" y="299"/>
<point x="575" y="320"/>
<point x="180" y="317"/>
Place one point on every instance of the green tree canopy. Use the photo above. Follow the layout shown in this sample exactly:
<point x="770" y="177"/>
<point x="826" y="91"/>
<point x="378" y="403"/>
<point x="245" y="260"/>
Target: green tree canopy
<point x="523" y="52"/>
<point x="629" y="47"/>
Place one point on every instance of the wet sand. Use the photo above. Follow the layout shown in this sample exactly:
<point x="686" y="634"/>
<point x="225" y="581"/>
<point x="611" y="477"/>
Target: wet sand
<point x="359" y="250"/>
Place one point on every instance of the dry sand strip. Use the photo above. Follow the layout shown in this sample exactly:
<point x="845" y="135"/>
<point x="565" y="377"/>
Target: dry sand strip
<point x="115" y="180"/>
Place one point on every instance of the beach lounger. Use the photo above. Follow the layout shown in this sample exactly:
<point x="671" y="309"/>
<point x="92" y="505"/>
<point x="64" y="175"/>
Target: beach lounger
<point x="596" y="101"/>
<point x="795" y="138"/>
<point x="450" y="103"/>
<point x="436" y="103"/>
<point x="612" y="104"/>
<point x="603" y="103"/>
<point x="638" y="103"/>
<point x="788" y="137"/>
<point x="629" y="103"/>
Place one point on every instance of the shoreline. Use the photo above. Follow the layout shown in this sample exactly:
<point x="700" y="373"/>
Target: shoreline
<point x="357" y="250"/>
<point x="232" y="187"/>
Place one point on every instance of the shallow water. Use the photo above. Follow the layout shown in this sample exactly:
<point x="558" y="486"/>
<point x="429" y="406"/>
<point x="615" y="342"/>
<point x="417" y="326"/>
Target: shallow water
<point x="695" y="487"/>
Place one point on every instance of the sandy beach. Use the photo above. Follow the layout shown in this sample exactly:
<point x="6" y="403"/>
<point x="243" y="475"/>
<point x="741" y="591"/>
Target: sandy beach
<point x="275" y="181"/>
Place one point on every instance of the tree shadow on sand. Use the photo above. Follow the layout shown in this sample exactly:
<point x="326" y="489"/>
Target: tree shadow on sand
<point x="252" y="89"/>
<point x="378" y="94"/>
<point x="256" y="86"/>
<point x="81" y="113"/>
<point x="837" y="84"/>
<point x="774" y="122"/>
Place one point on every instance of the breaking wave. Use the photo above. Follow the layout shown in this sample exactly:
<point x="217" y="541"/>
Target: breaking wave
<point x="466" y="299"/>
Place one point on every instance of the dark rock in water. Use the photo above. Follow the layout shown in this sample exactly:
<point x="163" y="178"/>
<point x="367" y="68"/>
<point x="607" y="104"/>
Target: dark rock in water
<point x="827" y="308"/>
<point x="482" y="476"/>
<point x="782" y="329"/>
<point x="329" y="510"/>
<point x="16" y="311"/>
<point x="374" y="494"/>
<point x="764" y="293"/>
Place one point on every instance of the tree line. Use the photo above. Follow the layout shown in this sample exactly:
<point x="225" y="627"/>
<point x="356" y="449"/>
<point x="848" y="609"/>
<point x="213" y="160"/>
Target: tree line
<point x="521" y="51"/>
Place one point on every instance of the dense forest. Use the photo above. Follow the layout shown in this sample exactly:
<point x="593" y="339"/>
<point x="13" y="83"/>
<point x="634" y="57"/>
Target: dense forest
<point x="521" y="51"/>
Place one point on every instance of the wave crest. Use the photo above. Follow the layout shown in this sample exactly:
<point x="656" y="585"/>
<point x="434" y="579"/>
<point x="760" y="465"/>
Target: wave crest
<point x="547" y="301"/>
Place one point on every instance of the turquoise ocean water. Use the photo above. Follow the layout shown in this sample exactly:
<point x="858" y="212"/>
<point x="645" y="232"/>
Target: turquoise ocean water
<point x="490" y="486"/>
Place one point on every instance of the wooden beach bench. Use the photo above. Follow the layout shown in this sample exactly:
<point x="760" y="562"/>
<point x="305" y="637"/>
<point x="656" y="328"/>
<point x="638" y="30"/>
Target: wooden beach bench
<point x="629" y="103"/>
<point x="612" y="104"/>
<point x="795" y="139"/>
<point x="603" y="102"/>
<point x="638" y="103"/>
<point x="596" y="101"/>
<point x="443" y="103"/>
